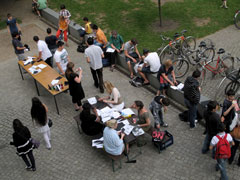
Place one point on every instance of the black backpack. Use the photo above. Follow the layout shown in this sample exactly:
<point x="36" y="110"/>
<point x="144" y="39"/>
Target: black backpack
<point x="136" y="82"/>
<point x="81" y="48"/>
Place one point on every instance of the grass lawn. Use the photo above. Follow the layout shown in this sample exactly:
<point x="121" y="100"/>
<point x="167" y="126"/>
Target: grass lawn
<point x="135" y="18"/>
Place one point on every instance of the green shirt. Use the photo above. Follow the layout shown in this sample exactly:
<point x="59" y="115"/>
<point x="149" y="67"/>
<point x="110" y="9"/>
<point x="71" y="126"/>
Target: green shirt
<point x="117" y="42"/>
<point x="42" y="4"/>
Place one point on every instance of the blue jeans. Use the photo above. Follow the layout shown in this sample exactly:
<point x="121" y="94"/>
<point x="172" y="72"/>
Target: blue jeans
<point x="192" y="112"/>
<point x="206" y="143"/>
<point x="221" y="166"/>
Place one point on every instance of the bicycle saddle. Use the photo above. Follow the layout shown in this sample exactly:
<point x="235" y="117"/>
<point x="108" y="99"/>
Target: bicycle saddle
<point x="184" y="31"/>
<point x="202" y="44"/>
<point x="221" y="51"/>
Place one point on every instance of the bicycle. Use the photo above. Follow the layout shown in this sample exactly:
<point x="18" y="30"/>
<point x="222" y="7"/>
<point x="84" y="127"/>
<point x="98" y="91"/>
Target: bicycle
<point x="237" y="19"/>
<point x="220" y="66"/>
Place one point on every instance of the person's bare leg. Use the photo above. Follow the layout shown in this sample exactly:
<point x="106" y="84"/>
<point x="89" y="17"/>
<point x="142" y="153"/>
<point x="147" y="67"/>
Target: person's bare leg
<point x="164" y="92"/>
<point x="143" y="76"/>
<point x="158" y="93"/>
<point x="130" y="69"/>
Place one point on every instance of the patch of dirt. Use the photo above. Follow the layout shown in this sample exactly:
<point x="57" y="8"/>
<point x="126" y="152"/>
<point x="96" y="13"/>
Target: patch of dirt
<point x="80" y="2"/>
<point x="100" y="18"/>
<point x="136" y="9"/>
<point x="126" y="1"/>
<point x="201" y="22"/>
<point x="124" y="13"/>
<point x="164" y="1"/>
<point x="167" y="25"/>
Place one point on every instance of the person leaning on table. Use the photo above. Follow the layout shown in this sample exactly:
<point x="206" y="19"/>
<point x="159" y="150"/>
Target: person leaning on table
<point x="113" y="144"/>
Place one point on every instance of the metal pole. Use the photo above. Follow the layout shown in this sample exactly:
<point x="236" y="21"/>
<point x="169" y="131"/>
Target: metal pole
<point x="160" y="12"/>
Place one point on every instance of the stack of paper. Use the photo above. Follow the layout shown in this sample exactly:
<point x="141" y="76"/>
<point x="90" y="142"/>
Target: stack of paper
<point x="106" y="114"/>
<point x="92" y="100"/>
<point x="178" y="87"/>
<point x="33" y="70"/>
<point x="137" y="131"/>
<point x="42" y="66"/>
<point x="28" y="61"/>
<point x="110" y="50"/>
<point x="127" y="129"/>
<point x="98" y="143"/>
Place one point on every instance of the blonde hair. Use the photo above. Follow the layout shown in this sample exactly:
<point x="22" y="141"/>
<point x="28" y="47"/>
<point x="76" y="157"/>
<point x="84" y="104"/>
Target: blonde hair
<point x="168" y="63"/>
<point x="111" y="123"/>
<point x="108" y="86"/>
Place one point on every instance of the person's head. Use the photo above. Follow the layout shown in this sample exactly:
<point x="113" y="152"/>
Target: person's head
<point x="94" y="27"/>
<point x="112" y="123"/>
<point x="17" y="125"/>
<point x="60" y="45"/>
<point x="114" y="33"/>
<point x="166" y="101"/>
<point x="108" y="86"/>
<point x="36" y="38"/>
<point x="196" y="74"/>
<point x="9" y="16"/>
<point x="145" y="52"/>
<point x="221" y="127"/>
<point x="62" y="7"/>
<point x="90" y="41"/>
<point x="134" y="41"/>
<point x="138" y="105"/>
<point x="212" y="106"/>
<point x="49" y="30"/>
<point x="85" y="19"/>
<point x="38" y="111"/>
<point x="69" y="69"/>
<point x="230" y="94"/>
<point x="168" y="63"/>
<point x="15" y="34"/>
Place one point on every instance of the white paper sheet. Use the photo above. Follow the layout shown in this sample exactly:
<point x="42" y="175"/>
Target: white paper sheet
<point x="92" y="100"/>
<point x="54" y="82"/>
<point x="27" y="62"/>
<point x="125" y="122"/>
<point x="42" y="66"/>
<point x="137" y="131"/>
<point x="110" y="50"/>
<point x="127" y="129"/>
<point x="98" y="143"/>
<point x="115" y="114"/>
<point x="179" y="87"/>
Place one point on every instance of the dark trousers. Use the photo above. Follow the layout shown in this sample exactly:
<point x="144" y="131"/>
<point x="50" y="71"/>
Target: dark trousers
<point x="233" y="152"/>
<point x="49" y="61"/>
<point x="192" y="112"/>
<point x="31" y="158"/>
<point x="98" y="77"/>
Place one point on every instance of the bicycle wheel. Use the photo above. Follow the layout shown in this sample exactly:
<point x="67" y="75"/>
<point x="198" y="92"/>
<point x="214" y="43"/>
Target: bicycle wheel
<point x="226" y="66"/>
<point x="237" y="19"/>
<point x="165" y="54"/>
<point x="208" y="54"/>
<point x="234" y="85"/>
<point x="188" y="45"/>
<point x="220" y="93"/>
<point x="203" y="75"/>
<point x="180" y="67"/>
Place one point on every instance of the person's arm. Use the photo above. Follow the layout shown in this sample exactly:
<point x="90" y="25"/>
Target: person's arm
<point x="104" y="98"/>
<point x="8" y="29"/>
<point x="60" y="68"/>
<point x="19" y="28"/>
<point x="39" y="55"/>
<point x="115" y="98"/>
<point x="116" y="49"/>
<point x="148" y="122"/>
<point x="88" y="59"/>
<point x="228" y="110"/>
<point x="20" y="48"/>
<point x="136" y="50"/>
<point x="127" y="55"/>
<point x="174" y="77"/>
<point x="78" y="78"/>
<point x="166" y="78"/>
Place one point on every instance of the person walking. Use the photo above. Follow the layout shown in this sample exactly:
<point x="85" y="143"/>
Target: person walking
<point x="39" y="117"/>
<point x="51" y="41"/>
<point x="13" y="26"/>
<point x="75" y="86"/>
<point x="18" y="47"/>
<point x="22" y="141"/>
<point x="43" y="52"/>
<point x="192" y="96"/>
<point x="94" y="55"/>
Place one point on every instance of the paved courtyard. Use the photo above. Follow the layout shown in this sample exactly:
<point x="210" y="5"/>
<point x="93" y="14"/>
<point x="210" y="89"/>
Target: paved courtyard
<point x="72" y="156"/>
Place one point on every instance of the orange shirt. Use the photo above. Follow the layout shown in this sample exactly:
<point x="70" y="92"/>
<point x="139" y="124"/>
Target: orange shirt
<point x="63" y="24"/>
<point x="101" y="36"/>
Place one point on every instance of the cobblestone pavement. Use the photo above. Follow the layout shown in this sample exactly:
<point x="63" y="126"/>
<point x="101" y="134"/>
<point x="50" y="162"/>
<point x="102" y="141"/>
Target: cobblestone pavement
<point x="72" y="156"/>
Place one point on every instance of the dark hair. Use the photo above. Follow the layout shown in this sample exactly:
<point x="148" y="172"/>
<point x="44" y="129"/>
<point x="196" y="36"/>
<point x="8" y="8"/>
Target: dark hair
<point x="94" y="26"/>
<point x="145" y="51"/>
<point x="166" y="101"/>
<point x="134" y="41"/>
<point x="62" y="6"/>
<point x="15" y="34"/>
<point x="85" y="19"/>
<point x="221" y="127"/>
<point x="36" y="38"/>
<point x="196" y="74"/>
<point x="49" y="30"/>
<point x="211" y="106"/>
<point x="139" y="104"/>
<point x="230" y="92"/>
<point x="17" y="125"/>
<point x="60" y="43"/>
<point x="38" y="112"/>
<point x="86" y="108"/>
<point x="69" y="69"/>
<point x="90" y="41"/>
<point x="9" y="15"/>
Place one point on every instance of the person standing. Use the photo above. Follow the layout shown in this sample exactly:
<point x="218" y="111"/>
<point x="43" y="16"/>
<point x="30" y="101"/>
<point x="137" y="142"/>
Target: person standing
<point x="43" y="52"/>
<point x="18" y="47"/>
<point x="39" y="116"/>
<point x="94" y="55"/>
<point x="65" y="13"/>
<point x="61" y="58"/>
<point x="51" y="41"/>
<point x="63" y="28"/>
<point x="75" y="86"/>
<point x="192" y="96"/>
<point x="117" y="43"/>
<point x="22" y="141"/>
<point x="12" y="26"/>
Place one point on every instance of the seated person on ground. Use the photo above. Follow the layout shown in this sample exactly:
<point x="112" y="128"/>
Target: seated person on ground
<point x="156" y="106"/>
<point x="112" y="143"/>
<point x="35" y="7"/>
<point x="151" y="64"/>
<point x="166" y="76"/>
<point x="88" y="29"/>
<point x="101" y="39"/>
<point x="131" y="54"/>
<point x="114" y="100"/>
<point x="90" y="122"/>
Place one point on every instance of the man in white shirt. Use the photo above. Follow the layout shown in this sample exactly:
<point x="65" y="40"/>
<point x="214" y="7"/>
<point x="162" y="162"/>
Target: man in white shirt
<point x="94" y="55"/>
<point x="151" y="65"/>
<point x="43" y="52"/>
<point x="61" y="58"/>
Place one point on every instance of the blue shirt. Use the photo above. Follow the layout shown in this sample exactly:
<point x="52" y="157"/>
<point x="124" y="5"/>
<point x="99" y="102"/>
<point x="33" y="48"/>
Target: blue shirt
<point x="111" y="141"/>
<point x="12" y="25"/>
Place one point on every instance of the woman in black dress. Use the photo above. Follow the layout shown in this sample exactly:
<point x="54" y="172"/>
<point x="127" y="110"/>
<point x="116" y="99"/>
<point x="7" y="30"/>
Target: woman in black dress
<point x="90" y="122"/>
<point x="75" y="87"/>
<point x="22" y="141"/>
